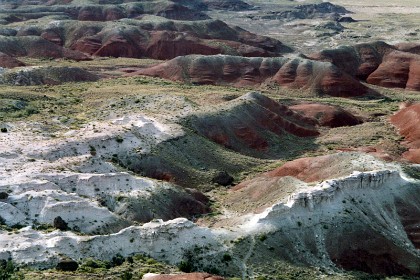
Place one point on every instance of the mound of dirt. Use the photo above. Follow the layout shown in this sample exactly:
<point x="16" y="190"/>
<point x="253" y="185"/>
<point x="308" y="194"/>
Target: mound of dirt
<point x="398" y="70"/>
<point x="19" y="11"/>
<point x="158" y="38"/>
<point x="407" y="121"/>
<point x="7" y="61"/>
<point x="252" y="124"/>
<point x="32" y="46"/>
<point x="378" y="63"/>
<point x="409" y="47"/>
<point x="321" y="77"/>
<point x="103" y="11"/>
<point x="110" y="10"/>
<point x="154" y="29"/>
<point x="327" y="115"/>
<point x="45" y="75"/>
<point x="359" y="60"/>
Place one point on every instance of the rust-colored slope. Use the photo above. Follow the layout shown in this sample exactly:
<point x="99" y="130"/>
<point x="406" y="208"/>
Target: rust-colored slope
<point x="359" y="60"/>
<point x="253" y="125"/>
<point x="378" y="63"/>
<point x="327" y="115"/>
<point x="398" y="69"/>
<point x="321" y="77"/>
<point x="407" y="120"/>
<point x="32" y="46"/>
<point x="6" y="61"/>
<point x="160" y="38"/>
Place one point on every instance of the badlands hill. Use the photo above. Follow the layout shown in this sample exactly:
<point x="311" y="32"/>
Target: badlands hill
<point x="321" y="77"/>
<point x="334" y="72"/>
<point x="209" y="139"/>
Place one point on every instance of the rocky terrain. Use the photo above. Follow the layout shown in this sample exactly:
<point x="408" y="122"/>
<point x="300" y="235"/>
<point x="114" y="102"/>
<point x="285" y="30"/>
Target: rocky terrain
<point x="209" y="139"/>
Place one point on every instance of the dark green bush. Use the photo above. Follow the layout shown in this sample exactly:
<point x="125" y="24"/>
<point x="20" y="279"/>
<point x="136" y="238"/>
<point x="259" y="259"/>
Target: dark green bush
<point x="117" y="260"/>
<point x="185" y="266"/>
<point x="226" y="258"/>
<point x="8" y="271"/>
<point x="127" y="275"/>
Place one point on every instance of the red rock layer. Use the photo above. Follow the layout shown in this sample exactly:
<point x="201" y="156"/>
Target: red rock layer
<point x="163" y="39"/>
<point x="321" y="77"/>
<point x="248" y="124"/>
<point x="407" y="121"/>
<point x="409" y="47"/>
<point x="305" y="169"/>
<point x="359" y="60"/>
<point x="7" y="61"/>
<point x="311" y="169"/>
<point x="378" y="63"/>
<point x="327" y="115"/>
<point x="37" y="47"/>
<point x="398" y="69"/>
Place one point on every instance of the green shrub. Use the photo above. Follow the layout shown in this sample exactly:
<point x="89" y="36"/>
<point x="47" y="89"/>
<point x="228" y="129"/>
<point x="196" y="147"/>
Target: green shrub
<point x="262" y="237"/>
<point x="90" y="264"/>
<point x="127" y="275"/>
<point x="117" y="260"/>
<point x="185" y="266"/>
<point x="8" y="271"/>
<point x="226" y="258"/>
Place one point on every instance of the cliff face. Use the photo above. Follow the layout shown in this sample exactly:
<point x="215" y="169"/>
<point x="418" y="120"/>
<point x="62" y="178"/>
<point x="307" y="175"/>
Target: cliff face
<point x="354" y="222"/>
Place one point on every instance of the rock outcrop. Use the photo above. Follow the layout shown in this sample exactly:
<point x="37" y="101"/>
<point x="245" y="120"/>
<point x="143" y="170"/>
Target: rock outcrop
<point x="33" y="46"/>
<point x="106" y="12"/>
<point x="162" y="30"/>
<point x="45" y="76"/>
<point x="320" y="168"/>
<point x="398" y="70"/>
<point x="409" y="47"/>
<point x="320" y="77"/>
<point x="407" y="121"/>
<point x="7" y="61"/>
<point x="327" y="115"/>
<point x="248" y="124"/>
<point x="160" y="38"/>
<point x="359" y="60"/>
<point x="277" y="185"/>
<point x="316" y="225"/>
<point x="378" y="63"/>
